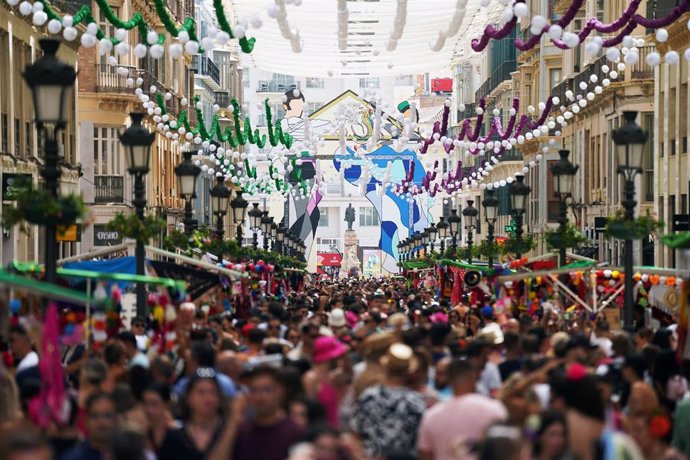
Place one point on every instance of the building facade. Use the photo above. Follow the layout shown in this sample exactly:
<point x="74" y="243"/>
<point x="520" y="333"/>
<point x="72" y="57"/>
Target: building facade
<point x="20" y="152"/>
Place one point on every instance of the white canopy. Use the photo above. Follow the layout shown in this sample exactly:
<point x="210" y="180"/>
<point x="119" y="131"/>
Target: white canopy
<point x="369" y="28"/>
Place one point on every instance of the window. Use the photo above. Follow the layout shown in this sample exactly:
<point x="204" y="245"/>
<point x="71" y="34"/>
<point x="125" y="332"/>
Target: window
<point x="368" y="217"/>
<point x="106" y="151"/>
<point x="107" y="28"/>
<point x="555" y="77"/>
<point x="313" y="82"/>
<point x="447" y="208"/>
<point x="282" y="79"/>
<point x="5" y="133"/>
<point x="28" y="138"/>
<point x="683" y="203"/>
<point x="323" y="217"/>
<point x="577" y="53"/>
<point x="369" y="83"/>
<point x="328" y="244"/>
<point x="17" y="136"/>
<point x="600" y="10"/>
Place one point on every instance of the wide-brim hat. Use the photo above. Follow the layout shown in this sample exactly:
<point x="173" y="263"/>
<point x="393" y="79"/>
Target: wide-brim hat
<point x="327" y="348"/>
<point x="400" y="359"/>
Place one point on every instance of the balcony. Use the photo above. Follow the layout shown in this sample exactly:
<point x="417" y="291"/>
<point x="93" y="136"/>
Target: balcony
<point x="222" y="98"/>
<point x="499" y="76"/>
<point x="108" y="189"/>
<point x="109" y="81"/>
<point x="205" y="68"/>
<point x="266" y="86"/>
<point x="641" y="70"/>
<point x="559" y="92"/>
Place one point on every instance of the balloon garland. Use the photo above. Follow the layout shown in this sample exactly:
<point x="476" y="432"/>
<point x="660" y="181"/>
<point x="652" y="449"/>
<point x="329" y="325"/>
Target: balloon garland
<point x="45" y="14"/>
<point x="622" y="27"/>
<point x="279" y="12"/>
<point x="398" y="25"/>
<point x="343" y="16"/>
<point x="453" y="27"/>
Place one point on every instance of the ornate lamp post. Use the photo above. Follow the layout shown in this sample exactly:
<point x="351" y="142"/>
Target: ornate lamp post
<point x="187" y="173"/>
<point x="432" y="231"/>
<point x="490" y="204"/>
<point x="442" y="229"/>
<point x="630" y="140"/>
<point x="274" y="234"/>
<point x="425" y="240"/>
<point x="470" y="215"/>
<point x="238" y="205"/>
<point x="518" y="203"/>
<point x="220" y="200"/>
<point x="255" y="215"/>
<point x="280" y="237"/>
<point x="137" y="142"/>
<point x="51" y="82"/>
<point x="563" y="172"/>
<point x="266" y="228"/>
<point x="454" y="227"/>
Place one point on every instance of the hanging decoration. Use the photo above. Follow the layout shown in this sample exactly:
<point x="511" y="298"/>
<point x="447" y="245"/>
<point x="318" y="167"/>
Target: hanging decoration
<point x="621" y="27"/>
<point x="343" y="16"/>
<point x="453" y="27"/>
<point x="398" y="25"/>
<point x="279" y="12"/>
<point x="55" y="22"/>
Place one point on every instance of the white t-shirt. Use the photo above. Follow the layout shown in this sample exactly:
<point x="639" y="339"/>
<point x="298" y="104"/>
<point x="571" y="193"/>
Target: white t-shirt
<point x="30" y="360"/>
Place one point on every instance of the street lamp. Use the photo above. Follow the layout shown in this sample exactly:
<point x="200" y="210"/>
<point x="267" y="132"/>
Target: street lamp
<point x="255" y="223"/>
<point x="137" y="142"/>
<point x="266" y="222"/>
<point x="442" y="229"/>
<point x="490" y="204"/>
<point x="425" y="240"/>
<point x="280" y="237"/>
<point x="454" y="227"/>
<point x="274" y="234"/>
<point x="470" y="215"/>
<point x="630" y="140"/>
<point x="432" y="231"/>
<point x="51" y="82"/>
<point x="518" y="203"/>
<point x="238" y="205"/>
<point x="563" y="172"/>
<point x="417" y="239"/>
<point x="220" y="200"/>
<point x="187" y="173"/>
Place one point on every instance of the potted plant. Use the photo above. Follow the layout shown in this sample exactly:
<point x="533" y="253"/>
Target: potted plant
<point x="570" y="238"/>
<point x="132" y="227"/>
<point x="620" y="228"/>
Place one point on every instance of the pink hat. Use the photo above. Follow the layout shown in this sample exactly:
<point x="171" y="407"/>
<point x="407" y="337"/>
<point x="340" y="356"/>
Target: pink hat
<point x="327" y="348"/>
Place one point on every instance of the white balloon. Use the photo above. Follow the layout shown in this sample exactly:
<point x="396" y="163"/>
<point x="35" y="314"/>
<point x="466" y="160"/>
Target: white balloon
<point x="70" y="34"/>
<point x="54" y="26"/>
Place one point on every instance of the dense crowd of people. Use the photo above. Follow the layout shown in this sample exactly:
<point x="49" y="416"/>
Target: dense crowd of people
<point x="368" y="369"/>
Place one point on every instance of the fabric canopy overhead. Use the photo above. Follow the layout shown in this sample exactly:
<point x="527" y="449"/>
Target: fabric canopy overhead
<point x="369" y="27"/>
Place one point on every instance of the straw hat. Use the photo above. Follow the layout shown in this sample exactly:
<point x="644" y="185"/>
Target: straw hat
<point x="399" y="359"/>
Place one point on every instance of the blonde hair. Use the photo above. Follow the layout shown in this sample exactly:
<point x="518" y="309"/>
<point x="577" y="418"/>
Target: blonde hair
<point x="9" y="398"/>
